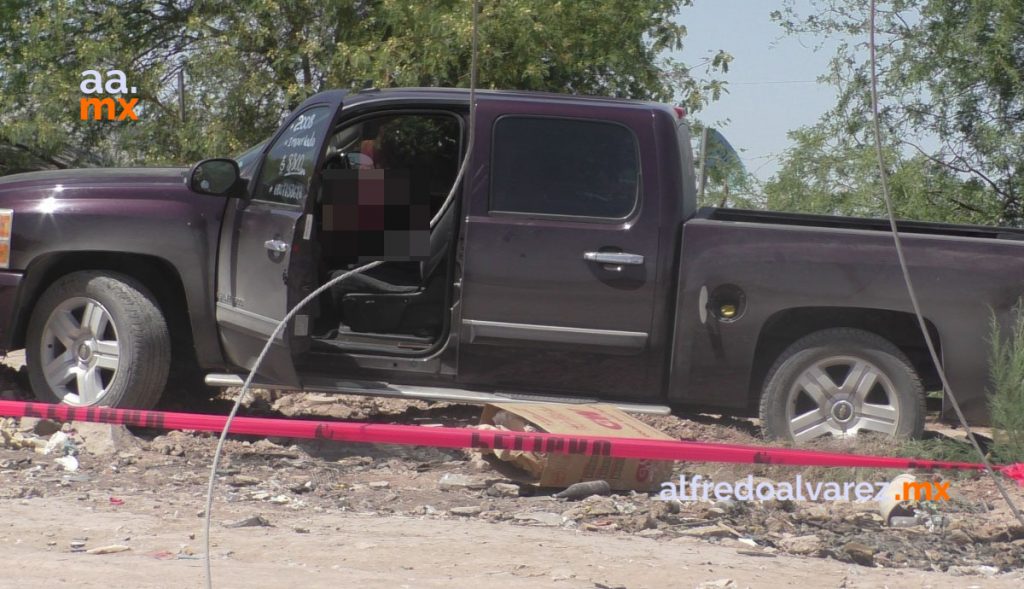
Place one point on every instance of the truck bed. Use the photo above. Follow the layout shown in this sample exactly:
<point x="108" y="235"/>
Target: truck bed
<point x="835" y="222"/>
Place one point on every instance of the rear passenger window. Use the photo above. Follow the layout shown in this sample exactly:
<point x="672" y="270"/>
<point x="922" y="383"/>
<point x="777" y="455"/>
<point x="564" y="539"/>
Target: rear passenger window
<point x="566" y="167"/>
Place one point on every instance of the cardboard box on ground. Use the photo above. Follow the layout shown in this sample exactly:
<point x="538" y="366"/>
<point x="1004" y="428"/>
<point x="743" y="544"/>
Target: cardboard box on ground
<point x="561" y="470"/>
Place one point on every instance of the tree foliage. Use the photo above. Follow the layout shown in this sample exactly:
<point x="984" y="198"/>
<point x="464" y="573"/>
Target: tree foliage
<point x="1006" y="401"/>
<point x="248" y="63"/>
<point x="952" y="88"/>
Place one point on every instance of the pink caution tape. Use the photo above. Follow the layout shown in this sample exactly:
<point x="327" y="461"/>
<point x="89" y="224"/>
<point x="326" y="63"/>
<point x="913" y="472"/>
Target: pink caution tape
<point x="447" y="437"/>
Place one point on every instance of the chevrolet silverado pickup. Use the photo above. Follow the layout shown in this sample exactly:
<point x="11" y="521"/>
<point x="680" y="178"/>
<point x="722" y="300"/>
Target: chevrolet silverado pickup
<point x="573" y="265"/>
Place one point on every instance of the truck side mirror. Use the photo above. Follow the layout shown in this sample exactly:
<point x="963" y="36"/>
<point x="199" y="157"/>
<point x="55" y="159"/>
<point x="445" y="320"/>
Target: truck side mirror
<point x="216" y="176"/>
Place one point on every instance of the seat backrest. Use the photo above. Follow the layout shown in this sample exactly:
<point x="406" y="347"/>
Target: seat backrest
<point x="440" y="238"/>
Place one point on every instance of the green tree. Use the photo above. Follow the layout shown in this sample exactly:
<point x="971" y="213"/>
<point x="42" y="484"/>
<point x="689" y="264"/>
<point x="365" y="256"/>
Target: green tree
<point x="952" y="89"/>
<point x="828" y="172"/>
<point x="246" y="64"/>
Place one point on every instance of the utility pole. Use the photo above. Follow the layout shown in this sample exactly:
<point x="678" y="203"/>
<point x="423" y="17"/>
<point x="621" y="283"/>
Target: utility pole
<point x="181" y="91"/>
<point x="703" y="163"/>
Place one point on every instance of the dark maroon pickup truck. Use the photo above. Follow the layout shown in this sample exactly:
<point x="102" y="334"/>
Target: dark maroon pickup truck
<point x="573" y="266"/>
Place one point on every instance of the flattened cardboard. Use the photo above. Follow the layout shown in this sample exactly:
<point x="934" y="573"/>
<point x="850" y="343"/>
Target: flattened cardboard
<point x="562" y="470"/>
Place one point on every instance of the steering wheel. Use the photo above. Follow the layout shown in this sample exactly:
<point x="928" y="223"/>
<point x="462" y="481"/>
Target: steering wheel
<point x="336" y="160"/>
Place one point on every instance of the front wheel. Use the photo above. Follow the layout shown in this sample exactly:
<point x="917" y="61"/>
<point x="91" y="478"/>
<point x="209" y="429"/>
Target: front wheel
<point x="98" y="338"/>
<point x="840" y="382"/>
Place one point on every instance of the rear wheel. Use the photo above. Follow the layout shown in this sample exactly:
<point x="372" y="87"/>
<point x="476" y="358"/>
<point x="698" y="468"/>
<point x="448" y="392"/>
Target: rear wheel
<point x="841" y="382"/>
<point x="98" y="338"/>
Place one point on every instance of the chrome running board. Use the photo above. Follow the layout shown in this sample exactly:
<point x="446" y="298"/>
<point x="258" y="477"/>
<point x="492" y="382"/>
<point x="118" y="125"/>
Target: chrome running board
<point x="453" y="395"/>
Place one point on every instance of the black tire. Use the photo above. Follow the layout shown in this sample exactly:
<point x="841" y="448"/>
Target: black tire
<point x="828" y="353"/>
<point x="143" y="343"/>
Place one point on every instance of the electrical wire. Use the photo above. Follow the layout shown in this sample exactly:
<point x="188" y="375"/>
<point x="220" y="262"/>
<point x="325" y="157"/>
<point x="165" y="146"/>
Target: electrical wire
<point x="284" y="321"/>
<point x="898" y="243"/>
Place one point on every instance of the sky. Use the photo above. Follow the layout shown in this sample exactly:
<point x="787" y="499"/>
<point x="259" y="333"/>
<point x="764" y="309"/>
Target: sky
<point x="771" y="87"/>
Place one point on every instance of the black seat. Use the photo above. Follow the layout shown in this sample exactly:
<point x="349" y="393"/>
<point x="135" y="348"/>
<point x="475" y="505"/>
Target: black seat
<point x="384" y="279"/>
<point x="403" y="277"/>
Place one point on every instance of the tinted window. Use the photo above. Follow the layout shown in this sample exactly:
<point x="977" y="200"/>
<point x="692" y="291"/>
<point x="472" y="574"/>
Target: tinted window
<point x="564" y="167"/>
<point x="288" y="169"/>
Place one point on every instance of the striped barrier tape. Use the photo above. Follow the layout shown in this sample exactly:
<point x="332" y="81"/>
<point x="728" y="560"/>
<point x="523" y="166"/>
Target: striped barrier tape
<point x="448" y="437"/>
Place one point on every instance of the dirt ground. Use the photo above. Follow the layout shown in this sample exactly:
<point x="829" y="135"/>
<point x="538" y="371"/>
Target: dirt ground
<point x="325" y="514"/>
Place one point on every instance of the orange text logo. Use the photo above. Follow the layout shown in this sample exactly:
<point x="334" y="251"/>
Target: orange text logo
<point x="924" y="491"/>
<point x="107" y="108"/>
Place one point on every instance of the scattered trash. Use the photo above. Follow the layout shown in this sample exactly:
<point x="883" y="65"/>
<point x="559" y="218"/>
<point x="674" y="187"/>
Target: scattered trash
<point x="59" y="443"/>
<point x="803" y="545"/>
<point x="68" y="463"/>
<point x="892" y="503"/>
<point x="762" y="552"/>
<point x="903" y="521"/>
<point x="162" y="555"/>
<point x="543" y="518"/>
<point x="243" y="481"/>
<point x="860" y="553"/>
<point x="305" y="487"/>
<point x="715" y="531"/>
<point x="113" y="548"/>
<point x="965" y="538"/>
<point x="256" y="521"/>
<point x="503" y="490"/>
<point x="586" y="489"/>
<point x="561" y="470"/>
<point x="452" y="481"/>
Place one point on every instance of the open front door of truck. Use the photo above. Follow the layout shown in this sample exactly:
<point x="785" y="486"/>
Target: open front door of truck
<point x="266" y="261"/>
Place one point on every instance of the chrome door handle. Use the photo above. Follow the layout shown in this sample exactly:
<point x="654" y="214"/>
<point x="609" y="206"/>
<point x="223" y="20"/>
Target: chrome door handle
<point x="616" y="258"/>
<point x="276" y="245"/>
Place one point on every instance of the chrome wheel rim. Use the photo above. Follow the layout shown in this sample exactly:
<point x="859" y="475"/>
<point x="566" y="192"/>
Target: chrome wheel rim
<point x="842" y="396"/>
<point x="80" y="351"/>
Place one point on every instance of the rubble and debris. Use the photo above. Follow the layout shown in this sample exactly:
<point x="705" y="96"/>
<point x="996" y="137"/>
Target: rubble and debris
<point x="859" y="553"/>
<point x="450" y="481"/>
<point x="805" y="545"/>
<point x="40" y="427"/>
<point x="103" y="439"/>
<point x="961" y="536"/>
<point x="503" y="490"/>
<point x="256" y="521"/>
<point x="585" y="489"/>
<point x="544" y="518"/>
